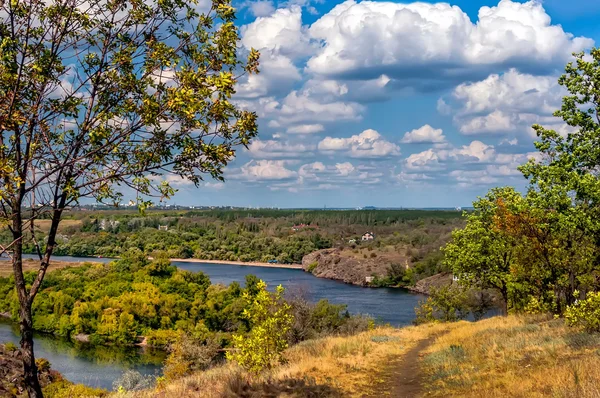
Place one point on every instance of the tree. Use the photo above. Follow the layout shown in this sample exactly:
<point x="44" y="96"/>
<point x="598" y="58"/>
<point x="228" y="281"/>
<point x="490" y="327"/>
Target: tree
<point x="482" y="253"/>
<point x="565" y="182"/>
<point x="270" y="321"/>
<point x="102" y="96"/>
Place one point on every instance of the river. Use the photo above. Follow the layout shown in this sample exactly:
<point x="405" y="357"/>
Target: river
<point x="100" y="366"/>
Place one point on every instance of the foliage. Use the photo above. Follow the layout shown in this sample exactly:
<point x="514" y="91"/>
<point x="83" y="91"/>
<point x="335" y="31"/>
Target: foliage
<point x="270" y="321"/>
<point x="538" y="249"/>
<point x="100" y="95"/>
<point x="120" y="301"/>
<point x="444" y="304"/>
<point x="312" y="320"/>
<point x="132" y="380"/>
<point x="65" y="389"/>
<point x="585" y="313"/>
<point x="188" y="354"/>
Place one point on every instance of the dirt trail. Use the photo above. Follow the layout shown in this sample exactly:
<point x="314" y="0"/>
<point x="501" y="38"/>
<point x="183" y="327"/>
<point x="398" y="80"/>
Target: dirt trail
<point x="402" y="377"/>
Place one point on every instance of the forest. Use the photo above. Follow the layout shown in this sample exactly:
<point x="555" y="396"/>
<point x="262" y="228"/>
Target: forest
<point x="255" y="235"/>
<point x="133" y="298"/>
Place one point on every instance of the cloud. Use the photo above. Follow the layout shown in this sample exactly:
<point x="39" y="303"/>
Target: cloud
<point x="306" y="129"/>
<point x="278" y="149"/>
<point x="261" y="8"/>
<point x="504" y="103"/>
<point x="422" y="43"/>
<point x="300" y="107"/>
<point x="424" y="161"/>
<point x="280" y="38"/>
<point x="277" y="75"/>
<point x="281" y="32"/>
<point x="265" y="170"/>
<point x="368" y="144"/>
<point x="424" y="135"/>
<point x="316" y="174"/>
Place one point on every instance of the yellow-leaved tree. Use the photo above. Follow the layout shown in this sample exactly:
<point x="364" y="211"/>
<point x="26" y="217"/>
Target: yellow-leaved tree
<point x="270" y="320"/>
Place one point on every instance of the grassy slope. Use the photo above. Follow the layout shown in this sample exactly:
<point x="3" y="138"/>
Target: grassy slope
<point x="497" y="357"/>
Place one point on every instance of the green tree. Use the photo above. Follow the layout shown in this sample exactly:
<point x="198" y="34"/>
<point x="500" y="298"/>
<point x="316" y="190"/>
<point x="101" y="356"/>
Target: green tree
<point x="103" y="94"/>
<point x="270" y="321"/>
<point x="482" y="253"/>
<point x="565" y="184"/>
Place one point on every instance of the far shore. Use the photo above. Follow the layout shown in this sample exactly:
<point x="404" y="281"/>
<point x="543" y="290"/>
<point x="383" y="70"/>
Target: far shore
<point x="249" y="263"/>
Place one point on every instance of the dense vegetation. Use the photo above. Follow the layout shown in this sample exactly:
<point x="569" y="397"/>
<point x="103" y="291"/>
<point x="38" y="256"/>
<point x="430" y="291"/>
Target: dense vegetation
<point x="133" y="297"/>
<point x="259" y="235"/>
<point x="540" y="251"/>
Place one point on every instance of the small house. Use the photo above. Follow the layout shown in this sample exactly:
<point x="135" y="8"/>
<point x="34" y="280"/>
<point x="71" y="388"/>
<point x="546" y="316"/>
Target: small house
<point x="163" y="227"/>
<point x="368" y="236"/>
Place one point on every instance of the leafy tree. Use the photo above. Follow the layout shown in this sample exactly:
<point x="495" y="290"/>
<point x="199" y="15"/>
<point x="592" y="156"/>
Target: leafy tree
<point x="270" y="321"/>
<point x="482" y="253"/>
<point x="565" y="184"/>
<point x="96" y="95"/>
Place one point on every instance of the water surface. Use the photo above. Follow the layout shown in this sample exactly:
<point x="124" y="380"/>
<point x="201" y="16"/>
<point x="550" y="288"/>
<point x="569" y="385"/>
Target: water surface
<point x="100" y="366"/>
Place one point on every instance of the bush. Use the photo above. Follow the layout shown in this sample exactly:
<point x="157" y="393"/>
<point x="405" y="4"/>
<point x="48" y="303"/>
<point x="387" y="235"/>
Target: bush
<point x="132" y="380"/>
<point x="42" y="364"/>
<point x="312" y="266"/>
<point x="10" y="347"/>
<point x="585" y="313"/>
<point x="188" y="355"/>
<point x="270" y="320"/>
<point x="445" y="304"/>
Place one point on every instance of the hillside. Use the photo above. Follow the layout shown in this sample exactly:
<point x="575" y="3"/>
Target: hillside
<point x="497" y="357"/>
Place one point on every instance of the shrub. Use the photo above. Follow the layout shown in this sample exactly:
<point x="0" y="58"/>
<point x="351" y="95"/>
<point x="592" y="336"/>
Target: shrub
<point x="585" y="313"/>
<point x="42" y="364"/>
<point x="445" y="304"/>
<point x="10" y="347"/>
<point x="312" y="266"/>
<point x="132" y="380"/>
<point x="270" y="320"/>
<point x="188" y="355"/>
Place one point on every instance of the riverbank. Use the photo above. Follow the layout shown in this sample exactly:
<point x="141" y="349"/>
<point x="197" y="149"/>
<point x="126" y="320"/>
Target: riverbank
<point x="248" y="264"/>
<point x="30" y="264"/>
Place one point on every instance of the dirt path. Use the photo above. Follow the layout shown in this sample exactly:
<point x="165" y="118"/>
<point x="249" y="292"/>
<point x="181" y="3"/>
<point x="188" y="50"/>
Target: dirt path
<point x="402" y="377"/>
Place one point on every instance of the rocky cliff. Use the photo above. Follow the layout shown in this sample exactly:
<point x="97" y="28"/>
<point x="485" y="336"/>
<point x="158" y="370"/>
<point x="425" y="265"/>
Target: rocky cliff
<point x="11" y="372"/>
<point x="342" y="265"/>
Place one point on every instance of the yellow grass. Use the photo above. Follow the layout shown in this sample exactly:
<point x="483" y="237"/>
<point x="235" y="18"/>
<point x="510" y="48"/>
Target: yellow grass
<point x="44" y="225"/>
<point x="514" y="357"/>
<point x="33" y="265"/>
<point x="497" y="357"/>
<point x="332" y="366"/>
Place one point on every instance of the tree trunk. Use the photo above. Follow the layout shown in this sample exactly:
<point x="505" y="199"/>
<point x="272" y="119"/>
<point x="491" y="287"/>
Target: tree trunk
<point x="504" y="307"/>
<point x="30" y="371"/>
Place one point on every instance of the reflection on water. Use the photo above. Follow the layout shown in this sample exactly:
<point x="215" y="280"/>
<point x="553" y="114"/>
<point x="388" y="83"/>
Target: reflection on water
<point x="100" y="366"/>
<point x="96" y="366"/>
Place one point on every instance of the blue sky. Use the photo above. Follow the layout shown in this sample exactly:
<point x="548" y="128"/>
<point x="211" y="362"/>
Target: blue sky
<point x="396" y="103"/>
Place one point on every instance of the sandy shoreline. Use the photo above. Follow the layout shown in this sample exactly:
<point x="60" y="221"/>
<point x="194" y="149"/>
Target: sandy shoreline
<point x="60" y="262"/>
<point x="247" y="264"/>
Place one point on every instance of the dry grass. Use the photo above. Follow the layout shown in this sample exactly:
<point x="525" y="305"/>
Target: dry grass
<point x="328" y="367"/>
<point x="514" y="357"/>
<point x="33" y="265"/>
<point x="44" y="225"/>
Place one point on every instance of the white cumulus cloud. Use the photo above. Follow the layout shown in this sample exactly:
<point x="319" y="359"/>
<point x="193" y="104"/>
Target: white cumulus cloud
<point x="368" y="144"/>
<point x="424" y="135"/>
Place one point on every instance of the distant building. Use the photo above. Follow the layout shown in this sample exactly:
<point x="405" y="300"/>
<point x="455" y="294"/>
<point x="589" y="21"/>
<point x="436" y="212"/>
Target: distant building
<point x="163" y="227"/>
<point x="368" y="236"/>
<point x="299" y="227"/>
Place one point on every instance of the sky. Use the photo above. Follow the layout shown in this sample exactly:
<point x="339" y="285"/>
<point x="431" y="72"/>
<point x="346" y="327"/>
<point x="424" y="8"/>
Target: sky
<point x="396" y="104"/>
